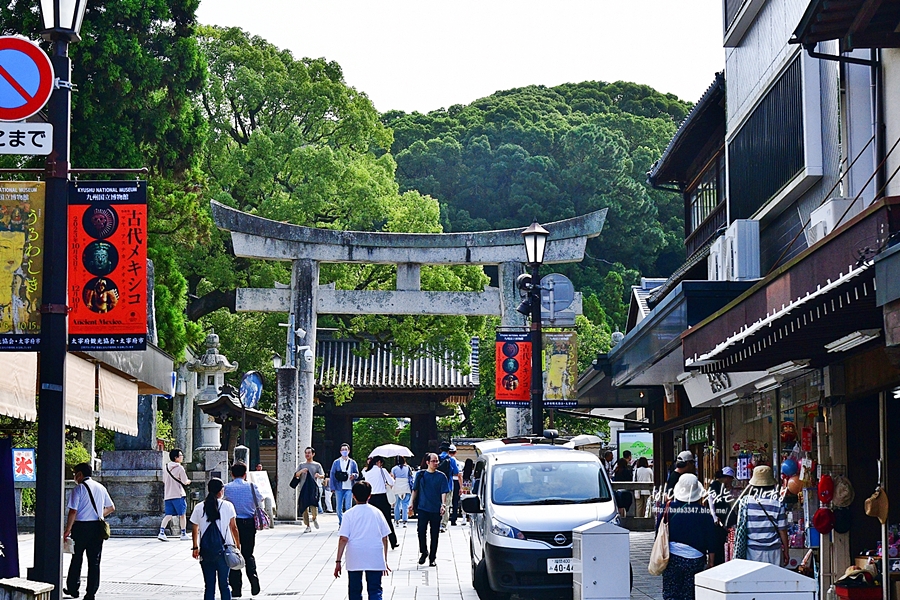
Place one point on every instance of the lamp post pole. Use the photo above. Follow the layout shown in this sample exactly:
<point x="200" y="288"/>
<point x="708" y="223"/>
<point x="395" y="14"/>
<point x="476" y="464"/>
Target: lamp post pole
<point x="537" y="356"/>
<point x="49" y="506"/>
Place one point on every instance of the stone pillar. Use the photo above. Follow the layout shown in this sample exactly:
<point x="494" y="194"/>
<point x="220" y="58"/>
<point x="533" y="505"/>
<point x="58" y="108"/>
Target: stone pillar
<point x="183" y="412"/>
<point x="518" y="420"/>
<point x="287" y="442"/>
<point x="146" y="437"/>
<point x="304" y="296"/>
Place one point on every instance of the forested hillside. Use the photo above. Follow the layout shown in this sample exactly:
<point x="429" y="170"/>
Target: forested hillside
<point x="553" y="153"/>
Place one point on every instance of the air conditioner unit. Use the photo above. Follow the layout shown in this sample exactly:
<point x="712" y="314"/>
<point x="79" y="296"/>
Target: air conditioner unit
<point x="715" y="265"/>
<point x="828" y="217"/>
<point x="742" y="250"/>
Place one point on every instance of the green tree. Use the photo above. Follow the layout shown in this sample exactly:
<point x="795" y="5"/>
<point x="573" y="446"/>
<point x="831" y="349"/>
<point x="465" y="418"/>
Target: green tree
<point x="371" y="432"/>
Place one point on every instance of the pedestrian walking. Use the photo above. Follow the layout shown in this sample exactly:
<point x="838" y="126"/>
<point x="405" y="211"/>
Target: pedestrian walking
<point x="344" y="472"/>
<point x="685" y="463"/>
<point x="89" y="504"/>
<point x="457" y="486"/>
<point x="763" y="521"/>
<point x="623" y="473"/>
<point x="246" y="498"/>
<point x="642" y="474"/>
<point x="450" y="469"/>
<point x="364" y="537"/>
<point x="174" y="495"/>
<point x="380" y="480"/>
<point x="692" y="538"/>
<point x="306" y="477"/>
<point x="430" y="491"/>
<point x="213" y="526"/>
<point x="721" y="502"/>
<point x="403" y="480"/>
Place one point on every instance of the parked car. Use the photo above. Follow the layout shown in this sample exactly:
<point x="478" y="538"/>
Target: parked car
<point x="526" y="500"/>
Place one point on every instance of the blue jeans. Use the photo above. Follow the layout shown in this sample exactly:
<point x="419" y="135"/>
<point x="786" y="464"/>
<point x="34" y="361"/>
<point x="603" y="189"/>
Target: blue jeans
<point x="343" y="503"/>
<point x="213" y="569"/>
<point x="401" y="508"/>
<point x="373" y="584"/>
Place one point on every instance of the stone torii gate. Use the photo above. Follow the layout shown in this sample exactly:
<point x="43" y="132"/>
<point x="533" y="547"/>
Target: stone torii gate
<point x="306" y="248"/>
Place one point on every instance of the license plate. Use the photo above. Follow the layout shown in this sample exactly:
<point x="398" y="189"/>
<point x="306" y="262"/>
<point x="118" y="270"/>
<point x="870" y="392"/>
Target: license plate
<point x="560" y="565"/>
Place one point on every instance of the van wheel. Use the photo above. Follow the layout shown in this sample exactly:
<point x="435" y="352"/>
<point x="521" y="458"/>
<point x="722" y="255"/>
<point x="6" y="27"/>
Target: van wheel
<point x="481" y="584"/>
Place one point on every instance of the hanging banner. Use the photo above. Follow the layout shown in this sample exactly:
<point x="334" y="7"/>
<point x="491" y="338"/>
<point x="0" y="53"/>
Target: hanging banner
<point x="108" y="265"/>
<point x="21" y="264"/>
<point x="513" y="373"/>
<point x="560" y="369"/>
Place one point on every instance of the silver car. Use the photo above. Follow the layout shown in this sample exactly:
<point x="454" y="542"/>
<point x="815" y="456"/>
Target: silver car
<point x="525" y="501"/>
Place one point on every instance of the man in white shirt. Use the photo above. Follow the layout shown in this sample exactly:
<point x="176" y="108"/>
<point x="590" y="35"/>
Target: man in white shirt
<point x="364" y="536"/>
<point x="89" y="504"/>
<point x="174" y="496"/>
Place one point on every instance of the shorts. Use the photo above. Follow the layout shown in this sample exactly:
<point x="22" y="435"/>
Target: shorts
<point x="176" y="507"/>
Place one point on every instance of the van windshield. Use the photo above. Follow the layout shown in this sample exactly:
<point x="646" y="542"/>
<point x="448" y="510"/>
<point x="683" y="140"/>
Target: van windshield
<point x="549" y="483"/>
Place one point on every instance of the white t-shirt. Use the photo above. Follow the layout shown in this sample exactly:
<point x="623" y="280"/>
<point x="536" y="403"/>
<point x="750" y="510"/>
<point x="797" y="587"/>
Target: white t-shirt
<point x="365" y="528"/>
<point x="80" y="501"/>
<point x="226" y="514"/>
<point x="377" y="479"/>
<point x="643" y="475"/>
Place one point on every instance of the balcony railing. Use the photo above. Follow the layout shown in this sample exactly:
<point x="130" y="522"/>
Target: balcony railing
<point x="716" y="220"/>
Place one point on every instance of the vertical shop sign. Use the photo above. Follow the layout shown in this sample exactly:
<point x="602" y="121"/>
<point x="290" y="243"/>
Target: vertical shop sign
<point x="560" y="369"/>
<point x="806" y="439"/>
<point x="513" y="369"/>
<point x="21" y="264"/>
<point x="108" y="265"/>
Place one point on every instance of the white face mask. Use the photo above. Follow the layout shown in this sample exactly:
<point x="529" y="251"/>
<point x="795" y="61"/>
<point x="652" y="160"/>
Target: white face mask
<point x="345" y="453"/>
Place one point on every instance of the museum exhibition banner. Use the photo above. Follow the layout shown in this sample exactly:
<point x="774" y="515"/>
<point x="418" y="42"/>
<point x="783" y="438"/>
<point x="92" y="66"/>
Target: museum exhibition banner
<point x="21" y="264"/>
<point x="560" y="369"/>
<point x="512" y="386"/>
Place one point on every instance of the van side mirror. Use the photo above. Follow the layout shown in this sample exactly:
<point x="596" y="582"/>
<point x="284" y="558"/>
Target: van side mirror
<point x="472" y="505"/>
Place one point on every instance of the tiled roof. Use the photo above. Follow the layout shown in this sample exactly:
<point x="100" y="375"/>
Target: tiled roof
<point x="336" y="363"/>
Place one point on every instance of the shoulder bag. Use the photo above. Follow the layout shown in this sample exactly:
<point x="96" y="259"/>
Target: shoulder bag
<point x="741" y="534"/>
<point x="659" y="555"/>
<point x="105" y="533"/>
<point x="260" y="518"/>
<point x="388" y="489"/>
<point x="181" y="483"/>
<point x="233" y="556"/>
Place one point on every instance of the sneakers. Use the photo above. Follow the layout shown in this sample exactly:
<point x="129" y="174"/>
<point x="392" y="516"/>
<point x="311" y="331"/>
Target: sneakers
<point x="422" y="558"/>
<point x="443" y="529"/>
<point x="162" y="537"/>
<point x="404" y="524"/>
<point x="74" y="594"/>
<point x="185" y="537"/>
<point x="432" y="564"/>
<point x="254" y="588"/>
<point x="316" y="523"/>
<point x="308" y="529"/>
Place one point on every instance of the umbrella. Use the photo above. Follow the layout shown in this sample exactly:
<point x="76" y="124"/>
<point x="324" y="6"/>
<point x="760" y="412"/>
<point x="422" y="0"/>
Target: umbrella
<point x="583" y="440"/>
<point x="389" y="450"/>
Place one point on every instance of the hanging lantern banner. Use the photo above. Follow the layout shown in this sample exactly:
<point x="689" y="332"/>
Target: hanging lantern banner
<point x="560" y="369"/>
<point x="21" y="264"/>
<point x="108" y="265"/>
<point x="513" y="373"/>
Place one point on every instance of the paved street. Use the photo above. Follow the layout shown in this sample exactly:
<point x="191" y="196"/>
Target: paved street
<point x="293" y="564"/>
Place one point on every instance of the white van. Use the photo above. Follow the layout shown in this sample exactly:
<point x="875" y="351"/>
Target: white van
<point x="525" y="501"/>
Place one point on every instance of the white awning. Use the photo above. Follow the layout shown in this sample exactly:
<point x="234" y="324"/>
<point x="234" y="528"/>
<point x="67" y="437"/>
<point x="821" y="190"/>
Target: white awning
<point x="18" y="385"/>
<point x="80" y="392"/>
<point x="118" y="403"/>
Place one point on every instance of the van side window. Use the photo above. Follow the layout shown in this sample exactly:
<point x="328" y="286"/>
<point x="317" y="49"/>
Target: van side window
<point x="476" y="478"/>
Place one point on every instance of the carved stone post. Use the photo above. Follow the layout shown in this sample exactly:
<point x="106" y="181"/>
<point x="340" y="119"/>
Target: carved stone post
<point x="304" y="291"/>
<point x="518" y="420"/>
<point x="285" y="496"/>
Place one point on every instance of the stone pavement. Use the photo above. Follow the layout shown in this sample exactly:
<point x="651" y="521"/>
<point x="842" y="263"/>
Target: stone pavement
<point x="293" y="564"/>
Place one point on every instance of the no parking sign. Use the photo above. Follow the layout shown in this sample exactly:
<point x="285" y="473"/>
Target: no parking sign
<point x="26" y="78"/>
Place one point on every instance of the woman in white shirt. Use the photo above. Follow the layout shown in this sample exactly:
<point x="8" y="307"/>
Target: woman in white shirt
<point x="402" y="490"/>
<point x="379" y="478"/>
<point x="221" y="514"/>
<point x="642" y="474"/>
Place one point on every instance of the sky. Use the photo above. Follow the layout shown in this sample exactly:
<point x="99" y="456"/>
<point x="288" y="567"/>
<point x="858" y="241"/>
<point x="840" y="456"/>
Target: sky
<point x="421" y="55"/>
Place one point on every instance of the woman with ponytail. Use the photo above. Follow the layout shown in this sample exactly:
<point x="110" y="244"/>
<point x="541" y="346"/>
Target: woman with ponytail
<point x="210" y="548"/>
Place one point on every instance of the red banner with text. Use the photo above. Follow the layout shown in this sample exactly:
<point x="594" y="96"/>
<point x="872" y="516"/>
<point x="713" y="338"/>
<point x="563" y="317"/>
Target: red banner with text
<point x="513" y="372"/>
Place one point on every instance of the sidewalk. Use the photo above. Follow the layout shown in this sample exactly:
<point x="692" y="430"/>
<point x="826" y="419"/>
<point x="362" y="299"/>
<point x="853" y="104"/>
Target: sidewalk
<point x="293" y="564"/>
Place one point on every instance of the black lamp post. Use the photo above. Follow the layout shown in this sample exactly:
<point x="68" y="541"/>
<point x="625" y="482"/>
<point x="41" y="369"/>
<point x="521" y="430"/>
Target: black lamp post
<point x="62" y="23"/>
<point x="535" y="244"/>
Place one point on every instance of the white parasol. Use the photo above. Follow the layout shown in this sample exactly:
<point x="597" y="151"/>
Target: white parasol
<point x="389" y="450"/>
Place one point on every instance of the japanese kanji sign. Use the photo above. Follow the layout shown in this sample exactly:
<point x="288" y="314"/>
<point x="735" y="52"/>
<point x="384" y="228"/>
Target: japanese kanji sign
<point x="513" y="369"/>
<point x="23" y="464"/>
<point x="108" y="265"/>
<point x="21" y="264"/>
<point x="26" y="138"/>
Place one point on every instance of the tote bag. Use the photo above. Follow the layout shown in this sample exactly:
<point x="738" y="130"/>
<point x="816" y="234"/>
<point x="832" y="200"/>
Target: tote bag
<point x="659" y="555"/>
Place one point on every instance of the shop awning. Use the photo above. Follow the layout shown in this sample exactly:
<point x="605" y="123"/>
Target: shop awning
<point x="855" y="23"/>
<point x="803" y="310"/>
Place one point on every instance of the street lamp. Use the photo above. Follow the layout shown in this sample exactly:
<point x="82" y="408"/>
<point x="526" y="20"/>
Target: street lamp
<point x="535" y="238"/>
<point x="62" y="23"/>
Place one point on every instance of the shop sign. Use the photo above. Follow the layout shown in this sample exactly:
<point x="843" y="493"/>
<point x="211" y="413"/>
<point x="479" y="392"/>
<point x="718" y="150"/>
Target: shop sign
<point x="707" y="390"/>
<point x="698" y="434"/>
<point x="744" y="467"/>
<point x="22" y="257"/>
<point x="806" y="439"/>
<point x="560" y="369"/>
<point x="108" y="265"/>
<point x="24" y="464"/>
<point x="512" y="384"/>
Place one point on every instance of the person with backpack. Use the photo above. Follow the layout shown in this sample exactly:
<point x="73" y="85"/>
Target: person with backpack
<point x="89" y="504"/>
<point x="214" y="526"/>
<point x="450" y="469"/>
<point x="174" y="495"/>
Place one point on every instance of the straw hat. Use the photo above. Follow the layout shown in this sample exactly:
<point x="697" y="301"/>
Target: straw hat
<point x="688" y="488"/>
<point x="762" y="476"/>
<point x="877" y="505"/>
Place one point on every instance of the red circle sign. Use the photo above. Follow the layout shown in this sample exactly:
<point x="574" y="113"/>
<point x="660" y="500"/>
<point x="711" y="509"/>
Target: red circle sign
<point x="26" y="78"/>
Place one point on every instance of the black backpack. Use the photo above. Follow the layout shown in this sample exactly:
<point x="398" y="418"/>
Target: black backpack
<point x="444" y="467"/>
<point x="211" y="542"/>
